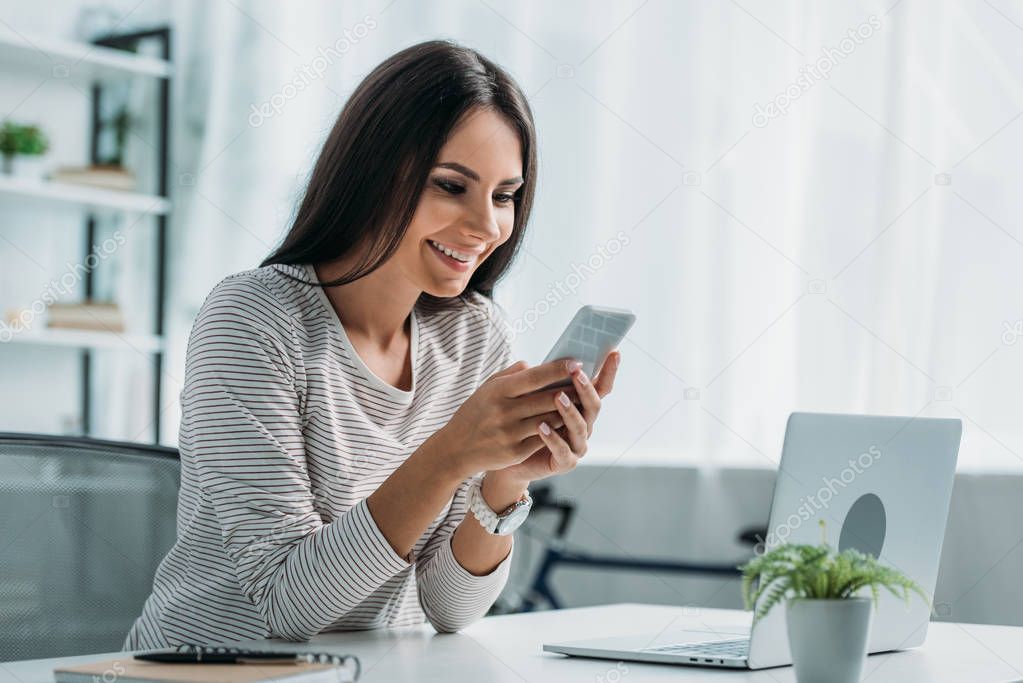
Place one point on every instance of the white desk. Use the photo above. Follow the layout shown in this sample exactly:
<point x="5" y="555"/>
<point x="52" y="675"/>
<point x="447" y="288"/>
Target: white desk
<point x="507" y="648"/>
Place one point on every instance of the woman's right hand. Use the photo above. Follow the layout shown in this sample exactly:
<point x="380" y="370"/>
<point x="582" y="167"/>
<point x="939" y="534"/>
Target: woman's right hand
<point x="497" y="426"/>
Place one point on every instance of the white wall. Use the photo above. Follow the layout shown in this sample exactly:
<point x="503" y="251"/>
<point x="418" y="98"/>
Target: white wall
<point x="813" y="263"/>
<point x="695" y="515"/>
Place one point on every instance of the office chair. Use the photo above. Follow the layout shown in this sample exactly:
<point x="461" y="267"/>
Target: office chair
<point x="83" y="525"/>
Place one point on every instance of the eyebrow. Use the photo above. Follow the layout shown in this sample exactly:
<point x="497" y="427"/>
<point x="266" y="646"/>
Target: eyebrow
<point x="473" y="175"/>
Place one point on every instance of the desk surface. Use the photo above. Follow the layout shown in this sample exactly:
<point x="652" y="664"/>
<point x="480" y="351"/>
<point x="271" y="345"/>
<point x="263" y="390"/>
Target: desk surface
<point x="507" y="648"/>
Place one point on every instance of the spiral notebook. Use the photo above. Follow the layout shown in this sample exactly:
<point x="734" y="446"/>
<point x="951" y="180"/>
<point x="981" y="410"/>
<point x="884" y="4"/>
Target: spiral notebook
<point x="312" y="668"/>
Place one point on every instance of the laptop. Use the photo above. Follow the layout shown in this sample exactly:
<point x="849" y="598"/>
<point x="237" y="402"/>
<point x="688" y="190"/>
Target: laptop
<point x="882" y="485"/>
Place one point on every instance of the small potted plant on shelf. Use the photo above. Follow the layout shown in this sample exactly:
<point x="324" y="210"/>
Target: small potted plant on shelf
<point x="23" y="147"/>
<point x="827" y="613"/>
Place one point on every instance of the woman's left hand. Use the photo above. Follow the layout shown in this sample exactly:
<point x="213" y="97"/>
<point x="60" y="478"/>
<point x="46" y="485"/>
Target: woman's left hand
<point x="564" y="447"/>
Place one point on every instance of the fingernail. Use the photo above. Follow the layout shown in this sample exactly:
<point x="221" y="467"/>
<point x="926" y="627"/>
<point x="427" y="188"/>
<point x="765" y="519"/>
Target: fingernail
<point x="563" y="397"/>
<point x="544" y="429"/>
<point x="583" y="379"/>
<point x="574" y="365"/>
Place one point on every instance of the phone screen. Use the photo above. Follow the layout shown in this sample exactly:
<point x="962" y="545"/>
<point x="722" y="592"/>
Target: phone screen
<point x="592" y="334"/>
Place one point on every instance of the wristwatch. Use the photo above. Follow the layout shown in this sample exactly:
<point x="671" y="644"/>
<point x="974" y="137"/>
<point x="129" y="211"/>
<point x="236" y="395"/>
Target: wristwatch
<point x="500" y="524"/>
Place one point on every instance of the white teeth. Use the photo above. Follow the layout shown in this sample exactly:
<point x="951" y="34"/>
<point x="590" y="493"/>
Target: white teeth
<point x="457" y="255"/>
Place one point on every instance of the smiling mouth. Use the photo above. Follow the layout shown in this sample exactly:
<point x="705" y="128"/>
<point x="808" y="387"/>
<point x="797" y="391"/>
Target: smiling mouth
<point x="456" y="255"/>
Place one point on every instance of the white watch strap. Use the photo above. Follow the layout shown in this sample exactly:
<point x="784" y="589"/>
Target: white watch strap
<point x="479" y="508"/>
<point x="481" y="511"/>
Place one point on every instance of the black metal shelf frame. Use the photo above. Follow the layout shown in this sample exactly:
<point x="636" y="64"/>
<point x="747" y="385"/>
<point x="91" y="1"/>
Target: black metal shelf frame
<point x="129" y="42"/>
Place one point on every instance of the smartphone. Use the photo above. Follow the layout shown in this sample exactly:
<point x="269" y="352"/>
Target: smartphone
<point x="592" y="334"/>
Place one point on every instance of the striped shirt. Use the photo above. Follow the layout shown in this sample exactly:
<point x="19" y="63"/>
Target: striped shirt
<point x="284" y="434"/>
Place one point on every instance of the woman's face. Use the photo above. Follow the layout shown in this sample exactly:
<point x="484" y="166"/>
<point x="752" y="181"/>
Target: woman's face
<point x="466" y="207"/>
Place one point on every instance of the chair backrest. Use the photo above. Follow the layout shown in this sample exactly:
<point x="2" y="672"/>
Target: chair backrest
<point x="83" y="525"/>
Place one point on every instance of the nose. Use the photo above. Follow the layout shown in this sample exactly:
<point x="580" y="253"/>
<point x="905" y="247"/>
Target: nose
<point x="482" y="221"/>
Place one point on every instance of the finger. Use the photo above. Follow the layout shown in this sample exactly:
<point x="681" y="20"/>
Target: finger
<point x="575" y="423"/>
<point x="553" y="420"/>
<point x="588" y="398"/>
<point x="537" y="377"/>
<point x="517" y="366"/>
<point x="605" y="380"/>
<point x="561" y="452"/>
<point x="529" y="446"/>
<point x="538" y="402"/>
<point x="528" y="427"/>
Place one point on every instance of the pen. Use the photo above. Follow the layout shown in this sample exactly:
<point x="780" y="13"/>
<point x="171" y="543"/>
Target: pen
<point x="175" y="657"/>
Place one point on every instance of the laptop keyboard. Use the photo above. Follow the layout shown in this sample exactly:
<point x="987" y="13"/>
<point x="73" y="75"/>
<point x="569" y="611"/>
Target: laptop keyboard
<point x="738" y="647"/>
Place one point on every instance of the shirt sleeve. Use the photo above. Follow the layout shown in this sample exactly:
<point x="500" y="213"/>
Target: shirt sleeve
<point x="242" y="433"/>
<point x="451" y="596"/>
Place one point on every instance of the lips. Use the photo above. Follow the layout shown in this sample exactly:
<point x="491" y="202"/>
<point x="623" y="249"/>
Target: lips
<point x="451" y="262"/>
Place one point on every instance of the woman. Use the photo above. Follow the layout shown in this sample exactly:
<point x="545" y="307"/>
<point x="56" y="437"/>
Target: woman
<point x="356" y="445"/>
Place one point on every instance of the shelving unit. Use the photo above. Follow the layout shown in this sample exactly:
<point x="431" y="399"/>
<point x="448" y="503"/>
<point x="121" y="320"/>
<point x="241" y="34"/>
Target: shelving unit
<point x="88" y="61"/>
<point x="90" y="67"/>
<point x="86" y="339"/>
<point x="82" y="196"/>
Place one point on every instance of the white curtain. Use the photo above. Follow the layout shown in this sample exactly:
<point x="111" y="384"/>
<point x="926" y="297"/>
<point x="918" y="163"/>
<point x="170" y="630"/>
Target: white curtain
<point x="859" y="252"/>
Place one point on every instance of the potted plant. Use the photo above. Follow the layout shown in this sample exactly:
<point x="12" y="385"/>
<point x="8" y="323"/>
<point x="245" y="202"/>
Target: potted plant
<point x="22" y="147"/>
<point x="827" y="613"/>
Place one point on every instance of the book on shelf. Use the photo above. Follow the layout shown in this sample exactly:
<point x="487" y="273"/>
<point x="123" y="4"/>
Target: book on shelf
<point x="18" y="319"/>
<point x="104" y="176"/>
<point x="99" y="316"/>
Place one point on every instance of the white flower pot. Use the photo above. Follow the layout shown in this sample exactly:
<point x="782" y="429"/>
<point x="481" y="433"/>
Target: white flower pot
<point x="828" y="638"/>
<point x="31" y="167"/>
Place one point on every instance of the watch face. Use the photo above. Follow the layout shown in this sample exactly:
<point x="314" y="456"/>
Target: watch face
<point x="513" y="521"/>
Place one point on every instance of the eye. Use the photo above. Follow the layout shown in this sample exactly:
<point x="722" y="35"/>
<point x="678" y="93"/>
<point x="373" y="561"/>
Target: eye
<point x="448" y="186"/>
<point x="504" y="198"/>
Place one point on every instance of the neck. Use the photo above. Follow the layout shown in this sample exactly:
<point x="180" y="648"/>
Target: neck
<point x="375" y="307"/>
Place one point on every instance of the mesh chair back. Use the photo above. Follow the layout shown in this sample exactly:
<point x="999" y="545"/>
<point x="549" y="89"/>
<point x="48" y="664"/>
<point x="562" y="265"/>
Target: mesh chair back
<point x="83" y="525"/>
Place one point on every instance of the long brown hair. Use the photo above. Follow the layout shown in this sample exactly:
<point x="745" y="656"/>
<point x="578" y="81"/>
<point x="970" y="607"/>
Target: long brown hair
<point x="366" y="184"/>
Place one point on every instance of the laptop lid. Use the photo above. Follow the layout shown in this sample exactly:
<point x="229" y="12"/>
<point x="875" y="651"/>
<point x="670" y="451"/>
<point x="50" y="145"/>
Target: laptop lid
<point x="882" y="485"/>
